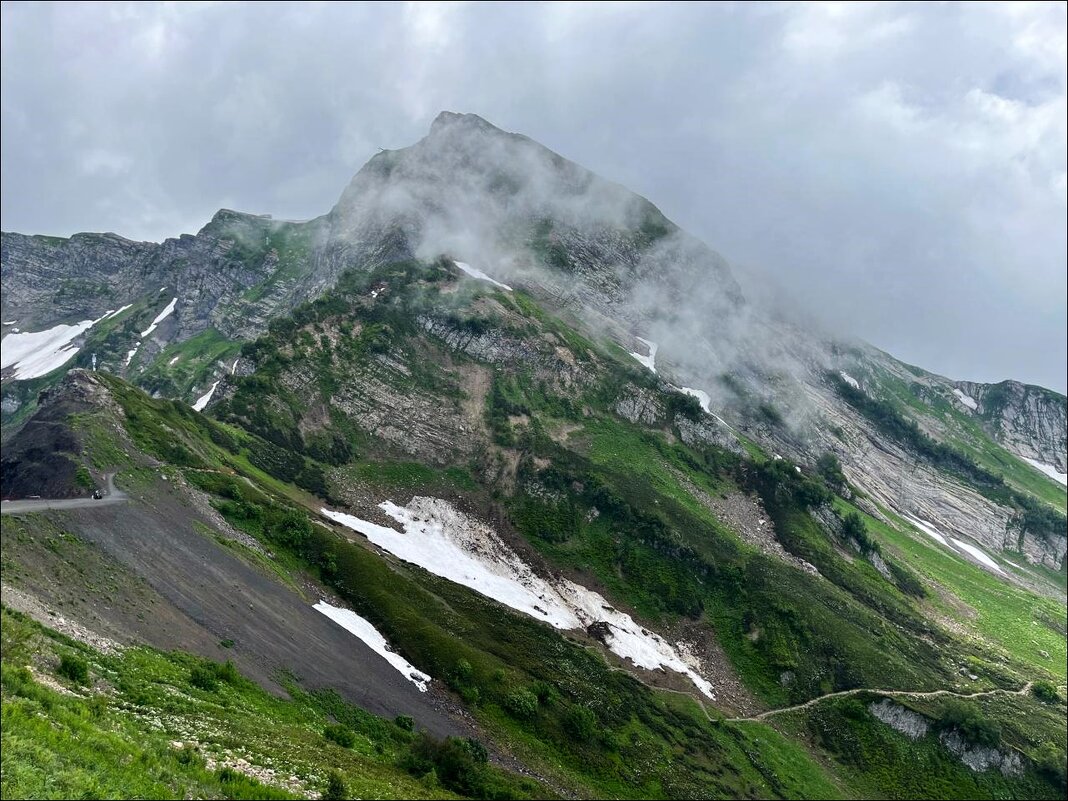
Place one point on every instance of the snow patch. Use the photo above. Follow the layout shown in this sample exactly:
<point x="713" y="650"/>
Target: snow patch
<point x="131" y="353"/>
<point x="977" y="554"/>
<point x="10" y="322"/>
<point x="202" y="401"/>
<point x="160" y="317"/>
<point x="233" y="369"/>
<point x="1049" y="470"/>
<point x="926" y="528"/>
<point x="117" y="312"/>
<point x="650" y="360"/>
<point x="369" y="635"/>
<point x="705" y="400"/>
<point x="967" y="400"/>
<point x="702" y="397"/>
<point x="474" y="272"/>
<point x="980" y="555"/>
<point x="36" y="353"/>
<point x="452" y="545"/>
<point x="849" y="379"/>
<point x="172" y="361"/>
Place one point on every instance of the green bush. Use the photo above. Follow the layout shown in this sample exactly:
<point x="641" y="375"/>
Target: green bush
<point x="853" y="528"/>
<point x="830" y="469"/>
<point x="406" y="722"/>
<point x="521" y="704"/>
<point x="203" y="678"/>
<point x="227" y="672"/>
<point x="460" y="765"/>
<point x="1050" y="762"/>
<point x="968" y="720"/>
<point x="188" y="755"/>
<point x="1045" y="691"/>
<point x="84" y="478"/>
<point x="580" y="723"/>
<point x="342" y="735"/>
<point x="336" y="789"/>
<point x="74" y="668"/>
<point x="207" y="675"/>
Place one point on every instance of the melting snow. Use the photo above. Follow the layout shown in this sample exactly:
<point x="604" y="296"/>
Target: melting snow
<point x="450" y="544"/>
<point x="849" y="379"/>
<point x="702" y="396"/>
<point x="234" y="368"/>
<point x="363" y="629"/>
<point x="172" y="361"/>
<point x="202" y="401"/>
<point x="650" y="360"/>
<point x="926" y="528"/>
<point x="11" y="322"/>
<point x="130" y="354"/>
<point x="160" y="317"/>
<point x="1049" y="470"/>
<point x="705" y="400"/>
<point x="967" y="400"/>
<point x="36" y="353"/>
<point x="978" y="554"/>
<point x="474" y="272"/>
<point x="960" y="545"/>
<point x="117" y="312"/>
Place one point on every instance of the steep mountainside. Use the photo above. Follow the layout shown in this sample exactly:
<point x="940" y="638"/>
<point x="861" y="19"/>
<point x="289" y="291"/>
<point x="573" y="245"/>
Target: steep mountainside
<point x="496" y="448"/>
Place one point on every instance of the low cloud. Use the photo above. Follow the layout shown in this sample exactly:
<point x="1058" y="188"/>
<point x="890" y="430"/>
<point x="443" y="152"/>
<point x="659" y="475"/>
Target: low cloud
<point x="898" y="170"/>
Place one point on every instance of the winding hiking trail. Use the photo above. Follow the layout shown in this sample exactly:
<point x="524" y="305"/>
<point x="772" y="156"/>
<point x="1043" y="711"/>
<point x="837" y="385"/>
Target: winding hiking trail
<point x="843" y="693"/>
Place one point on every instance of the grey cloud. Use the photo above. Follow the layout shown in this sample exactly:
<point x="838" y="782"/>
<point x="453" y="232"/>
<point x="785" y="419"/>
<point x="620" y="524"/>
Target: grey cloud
<point x="898" y="171"/>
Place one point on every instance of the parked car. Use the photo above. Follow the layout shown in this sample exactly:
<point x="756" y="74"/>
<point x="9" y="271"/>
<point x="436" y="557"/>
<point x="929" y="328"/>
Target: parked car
<point x="97" y="495"/>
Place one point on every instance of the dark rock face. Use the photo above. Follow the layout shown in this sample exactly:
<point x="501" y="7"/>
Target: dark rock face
<point x="600" y="631"/>
<point x="35" y="461"/>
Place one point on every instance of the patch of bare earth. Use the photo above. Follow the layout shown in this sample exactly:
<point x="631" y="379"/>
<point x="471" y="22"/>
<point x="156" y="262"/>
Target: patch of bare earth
<point x="33" y="608"/>
<point x="745" y="516"/>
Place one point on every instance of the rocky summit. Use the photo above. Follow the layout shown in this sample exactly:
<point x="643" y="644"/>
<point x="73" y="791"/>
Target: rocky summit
<point x="491" y="482"/>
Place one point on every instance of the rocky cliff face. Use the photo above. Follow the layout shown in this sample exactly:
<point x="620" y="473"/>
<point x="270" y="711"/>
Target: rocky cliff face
<point x="1030" y="421"/>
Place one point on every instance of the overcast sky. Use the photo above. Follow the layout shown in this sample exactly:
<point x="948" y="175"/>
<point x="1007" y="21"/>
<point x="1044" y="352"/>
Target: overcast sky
<point x="899" y="170"/>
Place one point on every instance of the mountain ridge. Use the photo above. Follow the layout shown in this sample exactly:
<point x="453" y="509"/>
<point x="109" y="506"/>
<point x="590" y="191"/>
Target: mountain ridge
<point x="492" y="449"/>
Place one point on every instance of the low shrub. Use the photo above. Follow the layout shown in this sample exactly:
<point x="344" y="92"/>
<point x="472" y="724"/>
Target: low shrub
<point x="342" y="735"/>
<point x="74" y="668"/>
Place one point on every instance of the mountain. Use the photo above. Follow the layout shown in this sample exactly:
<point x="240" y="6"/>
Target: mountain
<point x="617" y="523"/>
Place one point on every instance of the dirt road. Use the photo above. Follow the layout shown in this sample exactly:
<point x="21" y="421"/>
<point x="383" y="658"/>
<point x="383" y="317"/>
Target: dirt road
<point x="111" y="496"/>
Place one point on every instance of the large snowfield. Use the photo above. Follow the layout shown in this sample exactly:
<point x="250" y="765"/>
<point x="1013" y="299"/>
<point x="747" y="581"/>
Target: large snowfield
<point x="450" y="544"/>
<point x="37" y="353"/>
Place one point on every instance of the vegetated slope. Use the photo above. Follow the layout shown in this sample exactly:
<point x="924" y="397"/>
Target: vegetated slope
<point x="180" y="310"/>
<point x="413" y="380"/>
<point x="769" y="516"/>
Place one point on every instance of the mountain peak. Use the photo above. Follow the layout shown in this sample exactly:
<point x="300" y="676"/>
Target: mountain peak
<point x="448" y="120"/>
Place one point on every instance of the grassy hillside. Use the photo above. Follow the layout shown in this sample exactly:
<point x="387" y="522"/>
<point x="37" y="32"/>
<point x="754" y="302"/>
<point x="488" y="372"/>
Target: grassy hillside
<point x="404" y="382"/>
